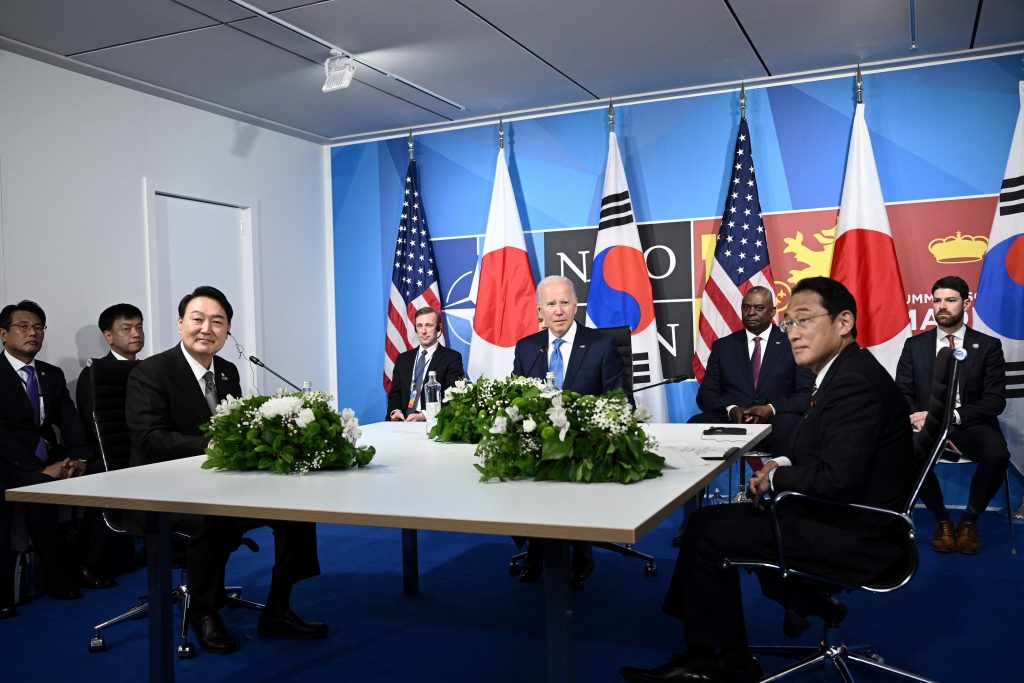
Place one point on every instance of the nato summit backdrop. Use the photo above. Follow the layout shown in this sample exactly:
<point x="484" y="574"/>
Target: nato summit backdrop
<point x="941" y="135"/>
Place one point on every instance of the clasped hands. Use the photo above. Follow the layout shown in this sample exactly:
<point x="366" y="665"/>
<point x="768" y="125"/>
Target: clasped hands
<point x="65" y="469"/>
<point x="917" y="420"/>
<point x="760" y="483"/>
<point x="397" y="416"/>
<point x="751" y="414"/>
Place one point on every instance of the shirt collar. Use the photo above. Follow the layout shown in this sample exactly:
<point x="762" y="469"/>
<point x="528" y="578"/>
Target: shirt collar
<point x="197" y="368"/>
<point x="118" y="356"/>
<point x="17" y="364"/>
<point x="568" y="338"/>
<point x="429" y="349"/>
<point x="820" y="377"/>
<point x="765" y="333"/>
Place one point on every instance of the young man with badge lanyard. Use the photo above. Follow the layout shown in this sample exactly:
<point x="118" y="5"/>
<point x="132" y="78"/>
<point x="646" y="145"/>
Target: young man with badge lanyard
<point x="405" y="400"/>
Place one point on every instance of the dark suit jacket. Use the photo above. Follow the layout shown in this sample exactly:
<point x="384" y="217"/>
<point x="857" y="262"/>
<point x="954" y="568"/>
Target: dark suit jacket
<point x="982" y="376"/>
<point x="447" y="363"/>
<point x="164" y="406"/>
<point x="594" y="364"/>
<point x="18" y="433"/>
<point x="728" y="381"/>
<point x="854" y="445"/>
<point x="83" y="399"/>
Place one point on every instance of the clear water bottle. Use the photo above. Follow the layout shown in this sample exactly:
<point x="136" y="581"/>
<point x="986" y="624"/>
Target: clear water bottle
<point x="307" y="386"/>
<point x="432" y="398"/>
<point x="549" y="380"/>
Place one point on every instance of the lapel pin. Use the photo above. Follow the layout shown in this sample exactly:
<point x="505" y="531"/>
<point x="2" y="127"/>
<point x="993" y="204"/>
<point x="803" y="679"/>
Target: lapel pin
<point x="974" y="346"/>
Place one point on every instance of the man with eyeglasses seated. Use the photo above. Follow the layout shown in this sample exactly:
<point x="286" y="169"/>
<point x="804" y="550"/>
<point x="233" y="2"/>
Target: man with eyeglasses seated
<point x="979" y="402"/>
<point x="853" y="445"/>
<point x="35" y="408"/>
<point x="751" y="376"/>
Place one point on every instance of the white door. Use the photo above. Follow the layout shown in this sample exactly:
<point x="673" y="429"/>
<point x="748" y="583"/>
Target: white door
<point x="192" y="243"/>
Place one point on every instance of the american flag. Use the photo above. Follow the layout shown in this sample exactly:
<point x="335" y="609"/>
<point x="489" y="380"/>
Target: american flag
<point x="413" y="278"/>
<point x="741" y="256"/>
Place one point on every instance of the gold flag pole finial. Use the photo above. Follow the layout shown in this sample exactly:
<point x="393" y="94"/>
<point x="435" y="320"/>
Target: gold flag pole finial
<point x="411" y="155"/>
<point x="860" y="86"/>
<point x="501" y="134"/>
<point x="743" y="100"/>
<point x="611" y="117"/>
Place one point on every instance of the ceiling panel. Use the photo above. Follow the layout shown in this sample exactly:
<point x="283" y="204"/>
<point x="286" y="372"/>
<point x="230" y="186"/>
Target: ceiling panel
<point x="235" y="70"/>
<point x="1002" y="21"/>
<point x="798" y="35"/>
<point x="442" y="47"/>
<point x="613" y="48"/>
<point x="492" y="56"/>
<point x="67" y="27"/>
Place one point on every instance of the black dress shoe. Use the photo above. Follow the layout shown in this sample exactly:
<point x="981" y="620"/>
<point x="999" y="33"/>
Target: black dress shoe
<point x="213" y="635"/>
<point x="533" y="563"/>
<point x="288" y="624"/>
<point x="89" y="578"/>
<point x="62" y="589"/>
<point x="8" y="612"/>
<point x="680" y="669"/>
<point x="581" y="571"/>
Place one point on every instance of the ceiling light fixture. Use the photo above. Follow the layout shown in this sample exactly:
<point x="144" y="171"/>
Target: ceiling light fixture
<point x="340" y="68"/>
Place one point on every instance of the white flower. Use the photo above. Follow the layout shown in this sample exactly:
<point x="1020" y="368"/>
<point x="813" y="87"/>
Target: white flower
<point x="347" y="415"/>
<point x="513" y="414"/>
<point x="304" y="417"/>
<point x="500" y="424"/>
<point x="227" y="405"/>
<point x="529" y="425"/>
<point x="284" y="406"/>
<point x="641" y="414"/>
<point x="352" y="432"/>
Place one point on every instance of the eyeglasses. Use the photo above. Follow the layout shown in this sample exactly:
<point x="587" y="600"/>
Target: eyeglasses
<point x="25" y="327"/>
<point x="797" y="323"/>
<point x="760" y="308"/>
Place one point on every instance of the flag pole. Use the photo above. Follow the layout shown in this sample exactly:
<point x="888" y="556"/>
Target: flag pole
<point x="860" y="86"/>
<point x="611" y="117"/>
<point x="411" y="155"/>
<point x="743" y="101"/>
<point x="501" y="134"/>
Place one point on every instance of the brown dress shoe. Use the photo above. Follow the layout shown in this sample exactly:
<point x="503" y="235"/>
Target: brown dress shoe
<point x="967" y="538"/>
<point x="943" y="542"/>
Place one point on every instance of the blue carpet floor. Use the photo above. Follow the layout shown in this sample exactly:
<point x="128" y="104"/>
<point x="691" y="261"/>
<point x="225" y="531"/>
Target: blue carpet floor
<point x="958" y="620"/>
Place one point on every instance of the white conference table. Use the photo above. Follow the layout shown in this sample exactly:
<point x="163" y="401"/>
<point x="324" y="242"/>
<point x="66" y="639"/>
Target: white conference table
<point x="413" y="483"/>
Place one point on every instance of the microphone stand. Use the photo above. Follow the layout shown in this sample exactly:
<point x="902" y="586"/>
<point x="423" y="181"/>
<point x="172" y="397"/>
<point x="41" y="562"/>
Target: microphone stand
<point x="257" y="361"/>
<point x="670" y="380"/>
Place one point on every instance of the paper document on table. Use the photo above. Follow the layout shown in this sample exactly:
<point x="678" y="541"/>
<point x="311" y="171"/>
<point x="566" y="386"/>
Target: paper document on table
<point x="686" y="457"/>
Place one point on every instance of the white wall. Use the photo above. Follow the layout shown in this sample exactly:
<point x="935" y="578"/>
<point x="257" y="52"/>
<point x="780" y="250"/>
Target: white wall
<point x="74" y="153"/>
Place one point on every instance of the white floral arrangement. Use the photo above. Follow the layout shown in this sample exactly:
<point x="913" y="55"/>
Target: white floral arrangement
<point x="284" y="433"/>
<point x="525" y="428"/>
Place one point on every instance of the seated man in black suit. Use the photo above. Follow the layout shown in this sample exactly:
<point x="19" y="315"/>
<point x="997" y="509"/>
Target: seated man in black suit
<point x="751" y="376"/>
<point x="852" y="446"/>
<point x="35" y="408"/>
<point x="168" y="397"/>
<point x="412" y="367"/>
<point x="980" y="400"/>
<point x="583" y="360"/>
<point x="99" y="548"/>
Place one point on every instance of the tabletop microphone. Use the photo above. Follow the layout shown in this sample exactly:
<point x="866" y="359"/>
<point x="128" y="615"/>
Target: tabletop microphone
<point x="540" y="352"/>
<point x="671" y="380"/>
<point x="256" y="361"/>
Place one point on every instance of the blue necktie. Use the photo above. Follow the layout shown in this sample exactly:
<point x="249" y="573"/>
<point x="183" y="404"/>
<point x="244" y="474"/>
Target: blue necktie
<point x="417" y="377"/>
<point x="556" y="364"/>
<point x="32" y="389"/>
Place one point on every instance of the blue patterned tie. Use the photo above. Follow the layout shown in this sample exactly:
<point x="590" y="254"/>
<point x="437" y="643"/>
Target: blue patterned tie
<point x="555" y="365"/>
<point x="417" y="376"/>
<point x="32" y="389"/>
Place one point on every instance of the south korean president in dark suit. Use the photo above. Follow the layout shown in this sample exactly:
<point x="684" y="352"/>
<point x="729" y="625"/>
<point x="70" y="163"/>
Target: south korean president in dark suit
<point x="852" y="446"/>
<point x="406" y="400"/>
<point x="582" y="360"/>
<point x="168" y="397"/>
<point x="751" y="376"/>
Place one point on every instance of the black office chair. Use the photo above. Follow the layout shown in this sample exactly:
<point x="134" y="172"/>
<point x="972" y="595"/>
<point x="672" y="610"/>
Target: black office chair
<point x="624" y="345"/>
<point x="897" y="534"/>
<point x="108" y="381"/>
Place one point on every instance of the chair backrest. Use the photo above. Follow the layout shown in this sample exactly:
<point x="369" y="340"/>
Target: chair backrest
<point x="108" y="379"/>
<point x="930" y="442"/>
<point x="624" y="345"/>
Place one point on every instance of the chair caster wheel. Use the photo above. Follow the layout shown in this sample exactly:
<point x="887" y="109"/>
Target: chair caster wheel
<point x="186" y="651"/>
<point x="650" y="569"/>
<point x="515" y="568"/>
<point x="97" y="644"/>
